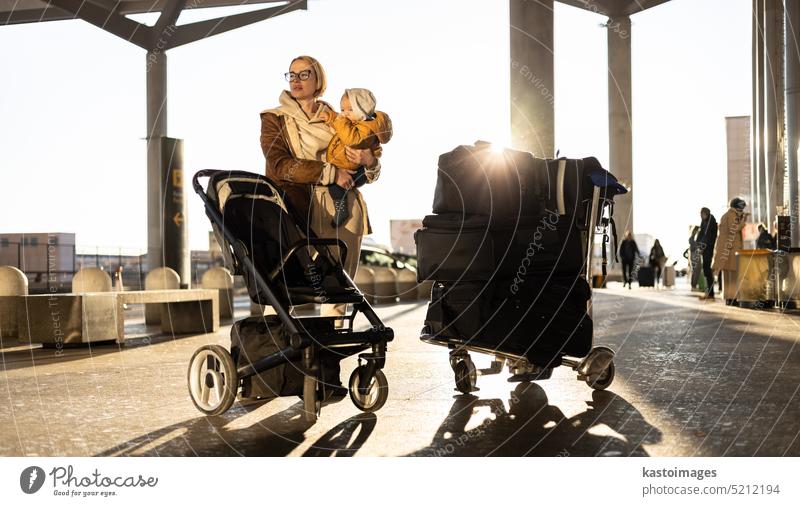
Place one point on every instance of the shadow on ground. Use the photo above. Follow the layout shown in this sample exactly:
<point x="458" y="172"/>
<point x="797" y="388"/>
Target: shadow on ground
<point x="275" y="436"/>
<point x="533" y="427"/>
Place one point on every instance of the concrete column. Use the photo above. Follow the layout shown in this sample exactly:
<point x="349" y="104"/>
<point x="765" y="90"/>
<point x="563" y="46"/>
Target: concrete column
<point x="793" y="111"/>
<point x="167" y="230"/>
<point x="532" y="77"/>
<point x="773" y="109"/>
<point x="755" y="112"/>
<point x="620" y="130"/>
<point x="760" y="204"/>
<point x="156" y="129"/>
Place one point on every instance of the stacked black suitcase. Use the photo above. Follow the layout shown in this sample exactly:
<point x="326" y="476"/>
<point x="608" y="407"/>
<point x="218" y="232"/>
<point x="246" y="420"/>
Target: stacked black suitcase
<point x="507" y="250"/>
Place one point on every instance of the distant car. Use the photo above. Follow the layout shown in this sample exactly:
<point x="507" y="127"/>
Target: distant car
<point x="377" y="257"/>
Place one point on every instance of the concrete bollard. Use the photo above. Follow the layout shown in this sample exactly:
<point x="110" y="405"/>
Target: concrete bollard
<point x="221" y="279"/>
<point x="91" y="279"/>
<point x="407" y="285"/>
<point x="13" y="285"/>
<point x="365" y="281"/>
<point x="160" y="278"/>
<point x="424" y="289"/>
<point x="385" y="285"/>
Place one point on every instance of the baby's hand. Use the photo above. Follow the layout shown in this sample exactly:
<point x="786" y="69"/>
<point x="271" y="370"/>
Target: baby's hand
<point x="324" y="115"/>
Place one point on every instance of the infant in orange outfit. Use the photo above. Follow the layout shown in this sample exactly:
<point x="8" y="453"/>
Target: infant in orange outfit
<point x="358" y="126"/>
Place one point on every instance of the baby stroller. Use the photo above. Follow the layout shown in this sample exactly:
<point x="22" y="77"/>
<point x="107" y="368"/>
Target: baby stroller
<point x="512" y="265"/>
<point x="283" y="355"/>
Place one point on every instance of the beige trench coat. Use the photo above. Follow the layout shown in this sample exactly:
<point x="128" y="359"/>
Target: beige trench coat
<point x="729" y="240"/>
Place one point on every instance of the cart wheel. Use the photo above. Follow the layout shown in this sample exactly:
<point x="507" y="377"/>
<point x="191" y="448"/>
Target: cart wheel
<point x="311" y="404"/>
<point x="213" y="380"/>
<point x="378" y="391"/>
<point x="605" y="378"/>
<point x="466" y="376"/>
<point x="454" y="360"/>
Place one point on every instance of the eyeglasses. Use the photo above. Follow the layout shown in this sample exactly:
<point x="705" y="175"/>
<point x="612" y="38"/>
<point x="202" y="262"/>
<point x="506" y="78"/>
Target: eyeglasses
<point x="303" y="75"/>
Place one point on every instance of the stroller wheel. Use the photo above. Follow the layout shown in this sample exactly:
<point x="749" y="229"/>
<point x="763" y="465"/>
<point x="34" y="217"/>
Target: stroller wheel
<point x="604" y="379"/>
<point x="311" y="404"/>
<point x="376" y="395"/>
<point x="466" y="376"/>
<point x="213" y="380"/>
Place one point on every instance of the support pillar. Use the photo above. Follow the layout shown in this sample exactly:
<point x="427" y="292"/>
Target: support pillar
<point x="792" y="51"/>
<point x="773" y="109"/>
<point x="532" y="77"/>
<point x="620" y="129"/>
<point x="759" y="205"/>
<point x="167" y="230"/>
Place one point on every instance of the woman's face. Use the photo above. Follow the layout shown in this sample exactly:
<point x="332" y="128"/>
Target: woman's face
<point x="302" y="90"/>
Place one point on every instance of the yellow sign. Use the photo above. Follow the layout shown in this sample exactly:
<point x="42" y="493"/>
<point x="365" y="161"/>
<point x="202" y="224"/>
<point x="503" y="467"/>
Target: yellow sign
<point x="177" y="178"/>
<point x="178" y="219"/>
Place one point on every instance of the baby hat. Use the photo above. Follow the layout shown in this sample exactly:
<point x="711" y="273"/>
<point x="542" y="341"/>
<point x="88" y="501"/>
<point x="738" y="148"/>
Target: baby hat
<point x="362" y="101"/>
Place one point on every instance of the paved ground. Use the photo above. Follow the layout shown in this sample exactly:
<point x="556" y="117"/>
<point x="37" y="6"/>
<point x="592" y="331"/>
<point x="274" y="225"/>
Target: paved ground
<point x="692" y="379"/>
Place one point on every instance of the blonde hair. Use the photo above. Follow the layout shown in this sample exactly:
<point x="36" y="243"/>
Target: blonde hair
<point x="319" y="73"/>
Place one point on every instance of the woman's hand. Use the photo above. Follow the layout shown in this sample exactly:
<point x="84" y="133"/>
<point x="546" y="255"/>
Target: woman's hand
<point x="361" y="157"/>
<point x="343" y="178"/>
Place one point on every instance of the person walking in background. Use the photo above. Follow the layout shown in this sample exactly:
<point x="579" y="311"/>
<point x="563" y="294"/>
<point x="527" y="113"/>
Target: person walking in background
<point x="692" y="254"/>
<point x="657" y="260"/>
<point x="628" y="253"/>
<point x="729" y="241"/>
<point x="706" y="239"/>
<point x="765" y="239"/>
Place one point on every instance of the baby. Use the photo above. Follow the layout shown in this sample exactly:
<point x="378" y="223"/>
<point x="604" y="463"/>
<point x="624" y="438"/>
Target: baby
<point x="358" y="126"/>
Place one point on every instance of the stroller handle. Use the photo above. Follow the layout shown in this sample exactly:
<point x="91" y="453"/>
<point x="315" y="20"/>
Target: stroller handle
<point x="198" y="188"/>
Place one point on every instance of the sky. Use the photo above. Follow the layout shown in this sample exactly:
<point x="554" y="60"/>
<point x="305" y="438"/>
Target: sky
<point x="72" y="106"/>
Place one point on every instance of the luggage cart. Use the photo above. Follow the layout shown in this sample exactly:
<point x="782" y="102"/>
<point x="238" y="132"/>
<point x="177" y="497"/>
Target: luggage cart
<point x="596" y="368"/>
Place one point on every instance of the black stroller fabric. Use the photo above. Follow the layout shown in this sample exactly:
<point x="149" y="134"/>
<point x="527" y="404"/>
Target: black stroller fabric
<point x="255" y="211"/>
<point x="257" y="337"/>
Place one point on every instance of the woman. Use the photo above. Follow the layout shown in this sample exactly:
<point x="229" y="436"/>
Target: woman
<point x="729" y="241"/>
<point x="657" y="260"/>
<point x="294" y="139"/>
<point x="628" y="252"/>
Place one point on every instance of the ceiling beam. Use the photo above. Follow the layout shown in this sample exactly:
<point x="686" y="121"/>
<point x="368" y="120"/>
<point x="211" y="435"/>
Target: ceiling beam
<point x="14" y="12"/>
<point x="192" y="32"/>
<point x="168" y="18"/>
<point x="110" y="21"/>
<point x="640" y="5"/>
<point x="18" y="17"/>
<point x="614" y="8"/>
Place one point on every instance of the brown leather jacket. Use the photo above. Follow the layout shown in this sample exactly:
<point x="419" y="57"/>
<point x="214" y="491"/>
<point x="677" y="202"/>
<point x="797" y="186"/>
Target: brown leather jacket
<point x="296" y="177"/>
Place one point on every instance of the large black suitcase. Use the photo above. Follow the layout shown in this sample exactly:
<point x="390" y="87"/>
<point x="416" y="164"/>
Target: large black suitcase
<point x="647" y="276"/>
<point x="453" y="247"/>
<point x="476" y="180"/>
<point x="540" y="318"/>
